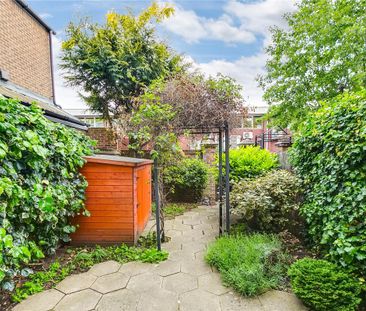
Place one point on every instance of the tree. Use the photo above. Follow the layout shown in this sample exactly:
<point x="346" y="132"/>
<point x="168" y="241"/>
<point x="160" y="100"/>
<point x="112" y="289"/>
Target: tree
<point x="319" y="56"/>
<point x="114" y="62"/>
<point x="170" y="108"/>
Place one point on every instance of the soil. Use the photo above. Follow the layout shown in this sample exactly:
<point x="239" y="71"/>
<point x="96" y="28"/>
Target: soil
<point x="64" y="255"/>
<point x="295" y="247"/>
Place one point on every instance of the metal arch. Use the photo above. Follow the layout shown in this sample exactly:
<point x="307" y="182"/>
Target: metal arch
<point x="223" y="191"/>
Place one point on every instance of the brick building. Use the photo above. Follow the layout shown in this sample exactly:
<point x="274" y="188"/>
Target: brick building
<point x="26" y="68"/>
<point x="253" y="131"/>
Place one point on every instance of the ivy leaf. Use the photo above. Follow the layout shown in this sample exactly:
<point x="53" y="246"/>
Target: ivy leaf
<point x="47" y="204"/>
<point x="8" y="286"/>
<point x="8" y="241"/>
<point x="2" y="275"/>
<point x="41" y="151"/>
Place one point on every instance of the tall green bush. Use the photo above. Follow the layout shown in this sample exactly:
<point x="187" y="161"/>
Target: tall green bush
<point x="270" y="202"/>
<point x="323" y="286"/>
<point x="186" y="180"/>
<point x="250" y="161"/>
<point x="40" y="186"/>
<point x="329" y="154"/>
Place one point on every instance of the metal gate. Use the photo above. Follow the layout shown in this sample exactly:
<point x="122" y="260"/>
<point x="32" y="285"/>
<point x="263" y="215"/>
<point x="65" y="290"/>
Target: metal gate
<point x="223" y="186"/>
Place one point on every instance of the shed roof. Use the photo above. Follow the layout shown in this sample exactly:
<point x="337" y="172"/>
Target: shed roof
<point x="117" y="160"/>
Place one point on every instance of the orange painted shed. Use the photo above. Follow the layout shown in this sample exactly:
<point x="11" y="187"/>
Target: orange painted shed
<point x="118" y="197"/>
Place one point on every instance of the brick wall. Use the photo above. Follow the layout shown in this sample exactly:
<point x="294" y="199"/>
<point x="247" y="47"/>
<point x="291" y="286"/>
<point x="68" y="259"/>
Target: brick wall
<point x="24" y="49"/>
<point x="105" y="138"/>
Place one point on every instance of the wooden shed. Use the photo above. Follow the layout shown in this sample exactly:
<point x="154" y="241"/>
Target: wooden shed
<point x="118" y="197"/>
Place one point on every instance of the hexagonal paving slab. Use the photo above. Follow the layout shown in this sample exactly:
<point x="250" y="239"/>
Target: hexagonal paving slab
<point x="180" y="283"/>
<point x="135" y="268"/>
<point x="167" y="267"/>
<point x="158" y="299"/>
<point x="110" y="282"/>
<point x="144" y="282"/>
<point x="85" y="300"/>
<point x="44" y="301"/>
<point x="212" y="283"/>
<point x="76" y="283"/>
<point x="195" y="267"/>
<point x="104" y="268"/>
<point x="199" y="300"/>
<point x="181" y="256"/>
<point x="193" y="246"/>
<point x="233" y="302"/>
<point x="121" y="300"/>
<point x="183" y="282"/>
<point x="276" y="300"/>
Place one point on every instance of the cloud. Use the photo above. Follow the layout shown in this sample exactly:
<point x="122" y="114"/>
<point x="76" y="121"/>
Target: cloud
<point x="244" y="70"/>
<point x="240" y="22"/>
<point x="258" y="17"/>
<point x="66" y="96"/>
<point x="252" y="19"/>
<point x="193" y="28"/>
<point x="45" y="15"/>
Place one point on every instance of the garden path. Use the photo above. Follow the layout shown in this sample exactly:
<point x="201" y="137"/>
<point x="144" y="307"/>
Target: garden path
<point x="183" y="282"/>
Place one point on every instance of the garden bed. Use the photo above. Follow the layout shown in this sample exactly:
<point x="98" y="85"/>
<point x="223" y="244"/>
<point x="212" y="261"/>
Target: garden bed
<point x="71" y="260"/>
<point x="255" y="262"/>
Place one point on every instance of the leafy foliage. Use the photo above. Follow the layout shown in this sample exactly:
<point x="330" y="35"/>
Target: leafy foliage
<point x="40" y="186"/>
<point x="250" y="161"/>
<point x="329" y="156"/>
<point x="114" y="62"/>
<point x="321" y="54"/>
<point x="251" y="264"/>
<point x="269" y="202"/>
<point x="188" y="176"/>
<point x="152" y="124"/>
<point x="82" y="260"/>
<point x="201" y="102"/>
<point x="323" y="286"/>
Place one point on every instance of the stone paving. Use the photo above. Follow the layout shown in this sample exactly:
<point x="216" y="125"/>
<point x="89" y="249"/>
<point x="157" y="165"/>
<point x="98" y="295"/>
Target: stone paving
<point x="184" y="282"/>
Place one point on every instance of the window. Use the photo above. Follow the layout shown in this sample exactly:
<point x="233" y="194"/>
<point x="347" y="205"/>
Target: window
<point x="247" y="122"/>
<point x="258" y="123"/>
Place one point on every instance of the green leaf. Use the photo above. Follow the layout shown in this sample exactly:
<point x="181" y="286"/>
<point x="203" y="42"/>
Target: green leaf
<point x="8" y="241"/>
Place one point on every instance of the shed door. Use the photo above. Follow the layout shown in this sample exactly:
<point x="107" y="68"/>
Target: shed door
<point x="143" y="196"/>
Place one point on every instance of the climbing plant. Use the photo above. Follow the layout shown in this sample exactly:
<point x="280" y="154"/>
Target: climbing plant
<point x="40" y="186"/>
<point x="329" y="156"/>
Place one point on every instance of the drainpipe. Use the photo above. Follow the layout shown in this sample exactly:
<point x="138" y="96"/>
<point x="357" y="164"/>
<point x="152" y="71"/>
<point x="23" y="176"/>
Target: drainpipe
<point x="51" y="32"/>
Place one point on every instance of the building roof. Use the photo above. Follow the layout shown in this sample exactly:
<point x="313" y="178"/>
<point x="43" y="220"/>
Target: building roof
<point x="34" y="15"/>
<point x="83" y="113"/>
<point x="52" y="111"/>
<point x="257" y="110"/>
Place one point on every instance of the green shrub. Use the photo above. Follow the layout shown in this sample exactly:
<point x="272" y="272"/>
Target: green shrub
<point x="40" y="186"/>
<point x="269" y="202"/>
<point x="249" y="162"/>
<point x="250" y="264"/>
<point x="329" y="155"/>
<point x="323" y="286"/>
<point x="186" y="180"/>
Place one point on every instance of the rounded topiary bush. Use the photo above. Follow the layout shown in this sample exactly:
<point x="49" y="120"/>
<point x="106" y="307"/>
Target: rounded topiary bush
<point x="250" y="161"/>
<point x="186" y="180"/>
<point x="323" y="286"/>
